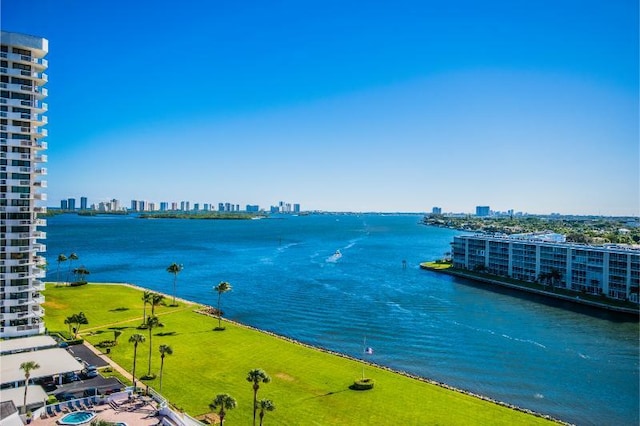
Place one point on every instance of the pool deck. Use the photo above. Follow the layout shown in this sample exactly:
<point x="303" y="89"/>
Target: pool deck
<point x="137" y="412"/>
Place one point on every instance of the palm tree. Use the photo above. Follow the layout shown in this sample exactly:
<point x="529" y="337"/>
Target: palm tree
<point x="174" y="269"/>
<point x="80" y="273"/>
<point x="256" y="376"/>
<point x="80" y="319"/>
<point x="156" y="298"/>
<point x="69" y="321"/>
<point x="164" y="351"/>
<point x="555" y="276"/>
<point x="135" y="339"/>
<point x="27" y="367"/>
<point x="61" y="258"/>
<point x="77" y="319"/>
<point x="223" y="287"/>
<point x="265" y="405"/>
<point x="71" y="258"/>
<point x="152" y="322"/>
<point x="146" y="298"/>
<point x="225" y="402"/>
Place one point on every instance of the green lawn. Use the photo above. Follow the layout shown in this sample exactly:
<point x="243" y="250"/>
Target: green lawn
<point x="308" y="386"/>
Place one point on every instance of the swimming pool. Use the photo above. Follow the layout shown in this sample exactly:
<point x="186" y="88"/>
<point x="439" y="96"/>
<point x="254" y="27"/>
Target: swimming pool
<point x="77" y="418"/>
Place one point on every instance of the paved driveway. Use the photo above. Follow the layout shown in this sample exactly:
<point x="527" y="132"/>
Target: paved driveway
<point x="87" y="355"/>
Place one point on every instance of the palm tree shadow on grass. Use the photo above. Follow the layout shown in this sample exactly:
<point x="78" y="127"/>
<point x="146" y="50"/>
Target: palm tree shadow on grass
<point x="327" y="394"/>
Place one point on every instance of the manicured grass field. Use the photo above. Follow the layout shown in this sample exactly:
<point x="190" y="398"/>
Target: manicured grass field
<point x="308" y="386"/>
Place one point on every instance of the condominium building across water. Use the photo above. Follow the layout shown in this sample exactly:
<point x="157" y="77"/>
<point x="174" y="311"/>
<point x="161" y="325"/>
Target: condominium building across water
<point x="609" y="270"/>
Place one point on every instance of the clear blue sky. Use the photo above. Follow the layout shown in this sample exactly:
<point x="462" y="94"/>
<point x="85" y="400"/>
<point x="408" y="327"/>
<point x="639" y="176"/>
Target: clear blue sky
<point x="343" y="106"/>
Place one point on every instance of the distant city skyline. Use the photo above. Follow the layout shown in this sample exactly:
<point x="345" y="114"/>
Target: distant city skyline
<point x="389" y="107"/>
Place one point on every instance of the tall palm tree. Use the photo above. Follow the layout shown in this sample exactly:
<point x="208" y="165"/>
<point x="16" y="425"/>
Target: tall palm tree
<point x="156" y="298"/>
<point x="71" y="258"/>
<point x="225" y="402"/>
<point x="164" y="351"/>
<point x="135" y="339"/>
<point x="265" y="405"/>
<point x="152" y="322"/>
<point x="174" y="269"/>
<point x="27" y="367"/>
<point x="146" y="298"/>
<point x="256" y="376"/>
<point x="61" y="258"/>
<point x="223" y="287"/>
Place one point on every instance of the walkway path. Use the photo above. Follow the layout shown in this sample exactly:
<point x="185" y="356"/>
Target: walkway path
<point x="112" y="363"/>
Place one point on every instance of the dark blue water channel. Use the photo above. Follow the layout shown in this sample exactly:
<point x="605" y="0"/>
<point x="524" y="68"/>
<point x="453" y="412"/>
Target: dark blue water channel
<point x="573" y="364"/>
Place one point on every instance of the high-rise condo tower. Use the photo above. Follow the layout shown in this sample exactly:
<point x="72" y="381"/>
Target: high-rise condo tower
<point x="22" y="118"/>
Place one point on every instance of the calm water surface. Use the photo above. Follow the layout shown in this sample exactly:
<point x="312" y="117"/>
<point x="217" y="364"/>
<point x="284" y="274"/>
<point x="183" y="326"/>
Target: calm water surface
<point x="574" y="364"/>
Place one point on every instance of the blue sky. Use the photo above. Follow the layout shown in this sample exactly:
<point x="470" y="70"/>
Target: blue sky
<point x="343" y="106"/>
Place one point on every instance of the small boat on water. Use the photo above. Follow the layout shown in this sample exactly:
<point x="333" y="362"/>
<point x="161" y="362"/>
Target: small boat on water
<point x="335" y="256"/>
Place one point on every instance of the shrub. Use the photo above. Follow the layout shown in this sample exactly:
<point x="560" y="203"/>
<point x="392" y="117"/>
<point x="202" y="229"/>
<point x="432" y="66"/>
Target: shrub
<point x="362" y="384"/>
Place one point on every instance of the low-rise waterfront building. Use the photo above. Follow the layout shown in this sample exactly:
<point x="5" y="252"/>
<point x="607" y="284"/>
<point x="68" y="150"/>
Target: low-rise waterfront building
<point x="608" y="270"/>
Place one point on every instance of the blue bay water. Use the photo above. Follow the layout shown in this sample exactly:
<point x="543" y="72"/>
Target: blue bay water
<point x="574" y="364"/>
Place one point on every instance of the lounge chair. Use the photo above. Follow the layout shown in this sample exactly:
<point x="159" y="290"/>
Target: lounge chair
<point x="87" y="402"/>
<point x="79" y="405"/>
<point x="57" y="409"/>
<point x="49" y="410"/>
<point x="70" y="406"/>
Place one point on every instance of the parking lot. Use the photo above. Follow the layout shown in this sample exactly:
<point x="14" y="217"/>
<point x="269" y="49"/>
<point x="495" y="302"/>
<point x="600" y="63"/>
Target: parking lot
<point x="86" y="355"/>
<point x="83" y="385"/>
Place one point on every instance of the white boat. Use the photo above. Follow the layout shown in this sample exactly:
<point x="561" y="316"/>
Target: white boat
<point x="335" y="256"/>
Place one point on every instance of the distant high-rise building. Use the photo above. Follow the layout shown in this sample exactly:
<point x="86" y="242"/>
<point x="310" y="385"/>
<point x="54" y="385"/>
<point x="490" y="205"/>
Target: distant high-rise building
<point x="482" y="211"/>
<point x="164" y="206"/>
<point x="174" y="206"/>
<point x="22" y="140"/>
<point x="296" y="208"/>
<point x="83" y="203"/>
<point x="72" y="203"/>
<point x="115" y="205"/>
<point x="220" y="207"/>
<point x="134" y="205"/>
<point x="436" y="210"/>
<point x="253" y="208"/>
<point x="64" y="204"/>
<point x="196" y="206"/>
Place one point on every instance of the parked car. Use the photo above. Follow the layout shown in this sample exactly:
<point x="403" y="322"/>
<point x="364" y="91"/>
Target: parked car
<point x="89" y="372"/>
<point x="90" y="392"/>
<point x="47" y="383"/>
<point x="64" y="396"/>
<point x="70" y="377"/>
